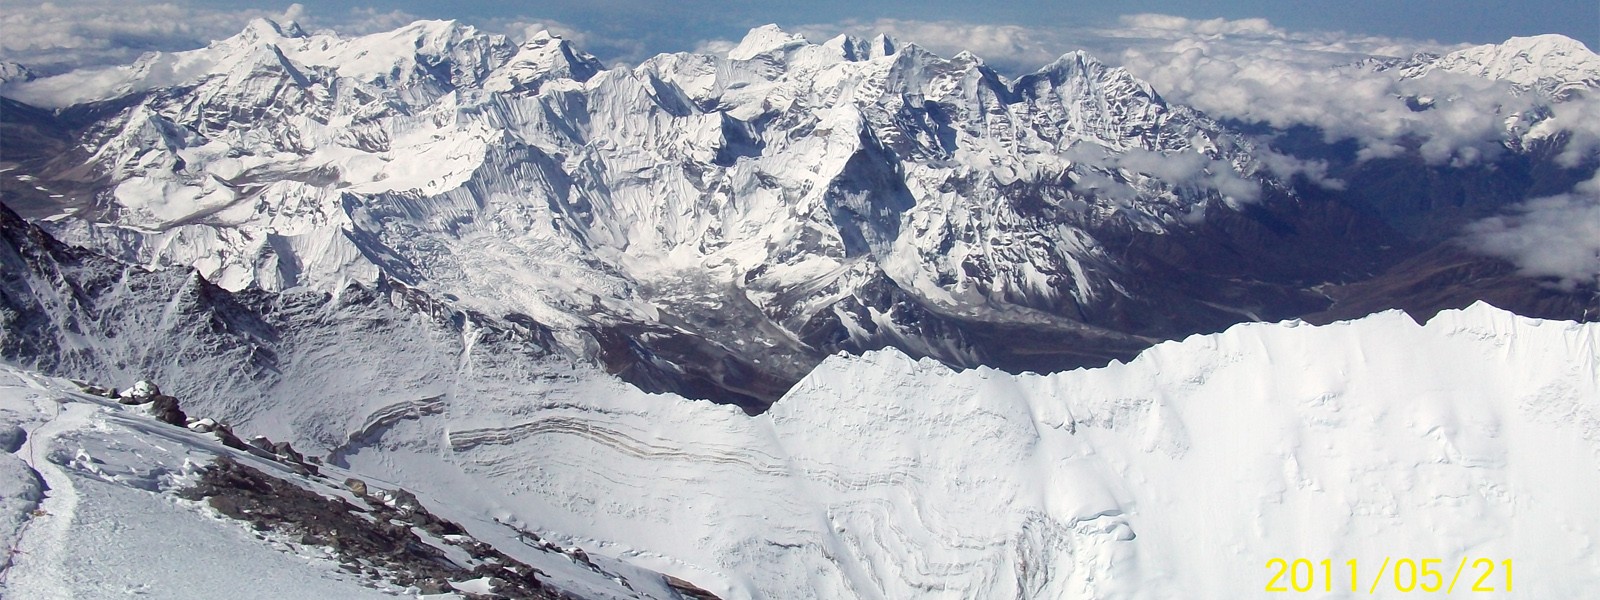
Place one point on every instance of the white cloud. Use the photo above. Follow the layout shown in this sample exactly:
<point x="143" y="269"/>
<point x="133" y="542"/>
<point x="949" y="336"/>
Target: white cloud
<point x="1011" y="49"/>
<point x="1557" y="236"/>
<point x="52" y="37"/>
<point x="1466" y="122"/>
<point x="68" y="34"/>
<point x="1579" y="122"/>
<point x="1286" y="167"/>
<point x="715" y="47"/>
<point x="1253" y="71"/>
<point x="1311" y="48"/>
<point x="1180" y="169"/>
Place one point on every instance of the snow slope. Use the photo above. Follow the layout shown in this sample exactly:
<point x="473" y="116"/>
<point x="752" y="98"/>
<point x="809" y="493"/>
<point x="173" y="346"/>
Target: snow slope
<point x="1178" y="474"/>
<point x="112" y="522"/>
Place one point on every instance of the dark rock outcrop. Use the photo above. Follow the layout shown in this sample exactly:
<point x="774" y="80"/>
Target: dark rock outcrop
<point x="376" y="541"/>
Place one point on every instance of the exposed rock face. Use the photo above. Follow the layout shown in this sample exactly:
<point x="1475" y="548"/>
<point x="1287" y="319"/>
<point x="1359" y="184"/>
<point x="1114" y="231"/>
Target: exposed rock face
<point x="375" y="540"/>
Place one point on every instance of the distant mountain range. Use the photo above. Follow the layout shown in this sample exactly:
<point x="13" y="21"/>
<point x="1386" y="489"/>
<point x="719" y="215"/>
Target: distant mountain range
<point x="716" y="225"/>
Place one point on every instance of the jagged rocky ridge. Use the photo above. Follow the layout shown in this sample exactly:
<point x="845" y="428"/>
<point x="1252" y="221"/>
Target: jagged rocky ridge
<point x="711" y="225"/>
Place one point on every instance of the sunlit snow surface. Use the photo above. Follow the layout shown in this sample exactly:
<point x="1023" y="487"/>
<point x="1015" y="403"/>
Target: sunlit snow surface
<point x="1177" y="475"/>
<point x="110" y="524"/>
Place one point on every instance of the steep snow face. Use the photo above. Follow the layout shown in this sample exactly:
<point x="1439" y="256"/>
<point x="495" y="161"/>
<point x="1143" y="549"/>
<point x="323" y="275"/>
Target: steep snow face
<point x="1178" y="474"/>
<point x="347" y="356"/>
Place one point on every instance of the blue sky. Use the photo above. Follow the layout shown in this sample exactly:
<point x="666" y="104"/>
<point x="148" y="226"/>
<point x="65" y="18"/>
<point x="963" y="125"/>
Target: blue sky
<point x="665" y="25"/>
<point x="67" y="32"/>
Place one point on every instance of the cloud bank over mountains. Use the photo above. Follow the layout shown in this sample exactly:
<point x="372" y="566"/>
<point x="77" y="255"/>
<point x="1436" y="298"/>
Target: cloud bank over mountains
<point x="52" y="37"/>
<point x="1556" y="236"/>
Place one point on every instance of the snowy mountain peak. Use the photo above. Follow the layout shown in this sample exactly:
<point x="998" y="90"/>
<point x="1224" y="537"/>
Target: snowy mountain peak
<point x="437" y="29"/>
<point x="966" y="56"/>
<point x="293" y="29"/>
<point x="1085" y="68"/>
<point x="14" y="72"/>
<point x="765" y="39"/>
<point x="259" y="30"/>
<point x="544" y="57"/>
<point x="857" y="49"/>
<point x="1524" y="61"/>
<point x="1549" y="44"/>
<point x="882" y="45"/>
<point x="1076" y="60"/>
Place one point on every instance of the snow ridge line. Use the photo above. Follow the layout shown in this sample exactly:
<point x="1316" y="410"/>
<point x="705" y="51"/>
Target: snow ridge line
<point x="57" y="510"/>
<point x="15" y="548"/>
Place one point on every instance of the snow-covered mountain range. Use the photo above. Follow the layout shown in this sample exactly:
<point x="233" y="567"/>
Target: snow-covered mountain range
<point x="440" y="261"/>
<point x="1556" y="63"/>
<point x="711" y="225"/>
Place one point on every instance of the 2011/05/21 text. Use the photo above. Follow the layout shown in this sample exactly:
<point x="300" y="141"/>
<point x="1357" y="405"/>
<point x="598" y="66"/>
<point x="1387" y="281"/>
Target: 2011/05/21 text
<point x="1401" y="575"/>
